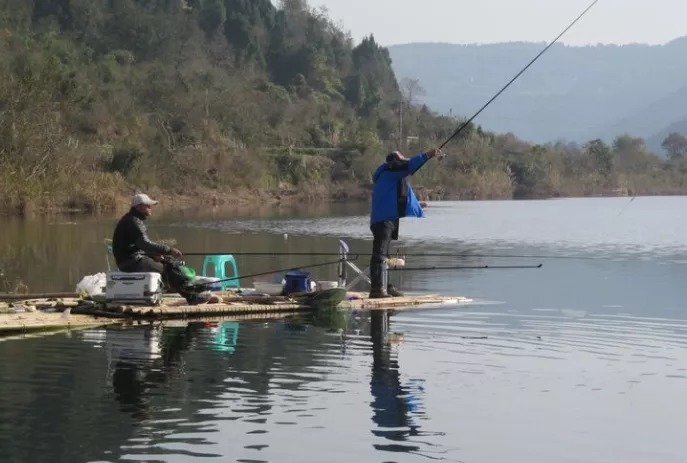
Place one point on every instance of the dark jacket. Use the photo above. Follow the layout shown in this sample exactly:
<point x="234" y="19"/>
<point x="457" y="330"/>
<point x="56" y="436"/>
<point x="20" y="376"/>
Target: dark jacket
<point x="130" y="240"/>
<point x="392" y="196"/>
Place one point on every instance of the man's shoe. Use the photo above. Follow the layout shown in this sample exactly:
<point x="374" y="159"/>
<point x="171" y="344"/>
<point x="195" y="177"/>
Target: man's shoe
<point x="393" y="292"/>
<point x="378" y="294"/>
<point x="202" y="298"/>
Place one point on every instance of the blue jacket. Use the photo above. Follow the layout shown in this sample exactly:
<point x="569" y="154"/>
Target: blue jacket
<point x="392" y="196"/>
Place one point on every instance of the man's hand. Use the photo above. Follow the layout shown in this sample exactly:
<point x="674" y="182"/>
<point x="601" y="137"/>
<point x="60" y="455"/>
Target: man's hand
<point x="434" y="152"/>
<point x="174" y="252"/>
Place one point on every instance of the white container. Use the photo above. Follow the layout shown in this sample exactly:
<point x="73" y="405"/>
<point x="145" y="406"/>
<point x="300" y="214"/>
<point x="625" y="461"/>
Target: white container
<point x="323" y="285"/>
<point x="134" y="288"/>
<point x="264" y="287"/>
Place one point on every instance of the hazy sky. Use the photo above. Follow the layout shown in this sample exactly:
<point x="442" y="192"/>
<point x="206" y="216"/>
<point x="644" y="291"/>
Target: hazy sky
<point x="489" y="21"/>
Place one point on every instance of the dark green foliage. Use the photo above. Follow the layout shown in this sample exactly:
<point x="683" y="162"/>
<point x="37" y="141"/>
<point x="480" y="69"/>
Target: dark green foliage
<point x="123" y="160"/>
<point x="601" y="157"/>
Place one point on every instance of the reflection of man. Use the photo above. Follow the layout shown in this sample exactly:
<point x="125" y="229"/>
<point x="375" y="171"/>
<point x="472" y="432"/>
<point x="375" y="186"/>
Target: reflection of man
<point x="390" y="407"/>
<point x="146" y="356"/>
<point x="132" y="352"/>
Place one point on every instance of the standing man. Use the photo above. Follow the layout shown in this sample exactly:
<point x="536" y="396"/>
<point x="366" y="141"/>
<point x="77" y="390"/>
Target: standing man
<point x="392" y="199"/>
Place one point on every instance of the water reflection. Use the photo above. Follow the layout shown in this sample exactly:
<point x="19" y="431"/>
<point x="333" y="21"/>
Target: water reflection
<point x="131" y="353"/>
<point x="142" y="358"/>
<point x="578" y="345"/>
<point x="391" y="402"/>
<point x="348" y="385"/>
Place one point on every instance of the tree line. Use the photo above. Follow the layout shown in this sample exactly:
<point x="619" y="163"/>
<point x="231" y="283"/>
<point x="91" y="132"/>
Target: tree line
<point x="98" y="98"/>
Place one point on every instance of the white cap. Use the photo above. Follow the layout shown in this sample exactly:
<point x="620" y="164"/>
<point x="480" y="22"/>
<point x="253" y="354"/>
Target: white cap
<point x="142" y="199"/>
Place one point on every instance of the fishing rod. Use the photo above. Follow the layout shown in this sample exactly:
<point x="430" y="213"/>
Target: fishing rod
<point x="466" y="123"/>
<point x="195" y="285"/>
<point x="468" y="267"/>
<point x="357" y="255"/>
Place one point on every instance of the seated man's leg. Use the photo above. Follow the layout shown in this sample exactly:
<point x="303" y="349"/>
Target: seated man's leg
<point x="172" y="277"/>
<point x="179" y="282"/>
<point x="148" y="264"/>
<point x="145" y="264"/>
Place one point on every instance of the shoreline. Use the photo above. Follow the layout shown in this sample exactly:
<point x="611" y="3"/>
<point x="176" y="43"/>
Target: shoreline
<point x="248" y="199"/>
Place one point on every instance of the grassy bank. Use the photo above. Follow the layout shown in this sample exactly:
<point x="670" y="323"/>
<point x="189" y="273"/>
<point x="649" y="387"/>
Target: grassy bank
<point x="79" y="190"/>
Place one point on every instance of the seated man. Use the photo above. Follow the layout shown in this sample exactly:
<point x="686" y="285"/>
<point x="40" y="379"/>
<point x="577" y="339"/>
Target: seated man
<point x="135" y="252"/>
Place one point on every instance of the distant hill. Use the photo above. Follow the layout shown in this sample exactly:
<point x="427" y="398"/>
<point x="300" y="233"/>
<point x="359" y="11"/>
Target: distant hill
<point x="570" y="93"/>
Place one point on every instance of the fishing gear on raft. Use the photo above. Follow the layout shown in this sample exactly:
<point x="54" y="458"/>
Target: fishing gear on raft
<point x="197" y="285"/>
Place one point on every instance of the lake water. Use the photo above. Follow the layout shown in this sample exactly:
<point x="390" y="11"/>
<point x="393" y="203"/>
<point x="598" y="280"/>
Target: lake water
<point x="582" y="360"/>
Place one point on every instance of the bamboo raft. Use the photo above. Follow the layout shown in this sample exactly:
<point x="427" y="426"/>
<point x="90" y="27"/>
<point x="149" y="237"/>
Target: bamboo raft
<point x="30" y="314"/>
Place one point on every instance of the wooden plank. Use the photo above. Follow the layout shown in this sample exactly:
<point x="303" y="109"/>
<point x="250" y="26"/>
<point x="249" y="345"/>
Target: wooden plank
<point x="176" y="307"/>
<point x="25" y="297"/>
<point x="165" y="312"/>
<point x="40" y="321"/>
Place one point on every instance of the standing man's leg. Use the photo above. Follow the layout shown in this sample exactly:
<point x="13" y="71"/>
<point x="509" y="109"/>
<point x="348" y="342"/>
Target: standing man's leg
<point x="390" y="289"/>
<point x="381" y="232"/>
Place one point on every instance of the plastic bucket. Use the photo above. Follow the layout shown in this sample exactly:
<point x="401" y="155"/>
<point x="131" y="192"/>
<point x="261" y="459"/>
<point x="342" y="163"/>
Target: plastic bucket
<point x="297" y="282"/>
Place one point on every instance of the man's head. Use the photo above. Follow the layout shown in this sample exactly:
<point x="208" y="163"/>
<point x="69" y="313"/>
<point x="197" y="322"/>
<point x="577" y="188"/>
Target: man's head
<point x="395" y="156"/>
<point x="143" y="203"/>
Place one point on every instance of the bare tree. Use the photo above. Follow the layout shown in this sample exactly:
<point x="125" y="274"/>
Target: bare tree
<point x="411" y="89"/>
<point x="675" y="145"/>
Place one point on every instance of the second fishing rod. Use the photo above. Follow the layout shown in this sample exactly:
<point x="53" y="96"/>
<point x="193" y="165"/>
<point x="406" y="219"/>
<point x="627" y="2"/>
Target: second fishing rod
<point x="356" y="255"/>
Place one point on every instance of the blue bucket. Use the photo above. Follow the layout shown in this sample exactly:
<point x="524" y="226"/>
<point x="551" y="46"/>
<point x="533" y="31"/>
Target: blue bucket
<point x="297" y="282"/>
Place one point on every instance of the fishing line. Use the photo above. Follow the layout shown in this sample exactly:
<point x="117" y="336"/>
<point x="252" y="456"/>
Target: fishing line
<point x="398" y="254"/>
<point x="466" y="123"/>
<point x="466" y="267"/>
<point x="625" y="207"/>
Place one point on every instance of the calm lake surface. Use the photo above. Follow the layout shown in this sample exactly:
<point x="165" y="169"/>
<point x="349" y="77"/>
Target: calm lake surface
<point x="582" y="360"/>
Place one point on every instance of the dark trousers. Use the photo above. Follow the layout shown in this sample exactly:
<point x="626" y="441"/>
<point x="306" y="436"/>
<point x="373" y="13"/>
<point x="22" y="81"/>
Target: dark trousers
<point x="145" y="264"/>
<point x="383" y="233"/>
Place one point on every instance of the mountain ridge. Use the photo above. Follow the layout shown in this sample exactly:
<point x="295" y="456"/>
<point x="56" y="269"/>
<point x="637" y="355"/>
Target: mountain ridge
<point x="574" y="93"/>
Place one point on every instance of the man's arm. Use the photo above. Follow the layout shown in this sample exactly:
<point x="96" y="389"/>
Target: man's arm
<point x="146" y="245"/>
<point x="419" y="160"/>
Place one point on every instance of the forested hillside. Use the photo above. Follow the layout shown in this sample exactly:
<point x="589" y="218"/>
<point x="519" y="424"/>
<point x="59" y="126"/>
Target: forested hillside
<point x="226" y="98"/>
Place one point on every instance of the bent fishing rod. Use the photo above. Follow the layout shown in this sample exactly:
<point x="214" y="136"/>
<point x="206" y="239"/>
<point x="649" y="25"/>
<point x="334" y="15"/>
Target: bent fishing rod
<point x="466" y="123"/>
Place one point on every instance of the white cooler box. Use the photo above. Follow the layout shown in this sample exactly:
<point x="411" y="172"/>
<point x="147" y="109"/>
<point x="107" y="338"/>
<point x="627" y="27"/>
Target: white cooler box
<point x="134" y="288"/>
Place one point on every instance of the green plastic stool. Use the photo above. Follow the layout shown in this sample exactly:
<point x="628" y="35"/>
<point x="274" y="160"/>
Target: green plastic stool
<point x="219" y="264"/>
